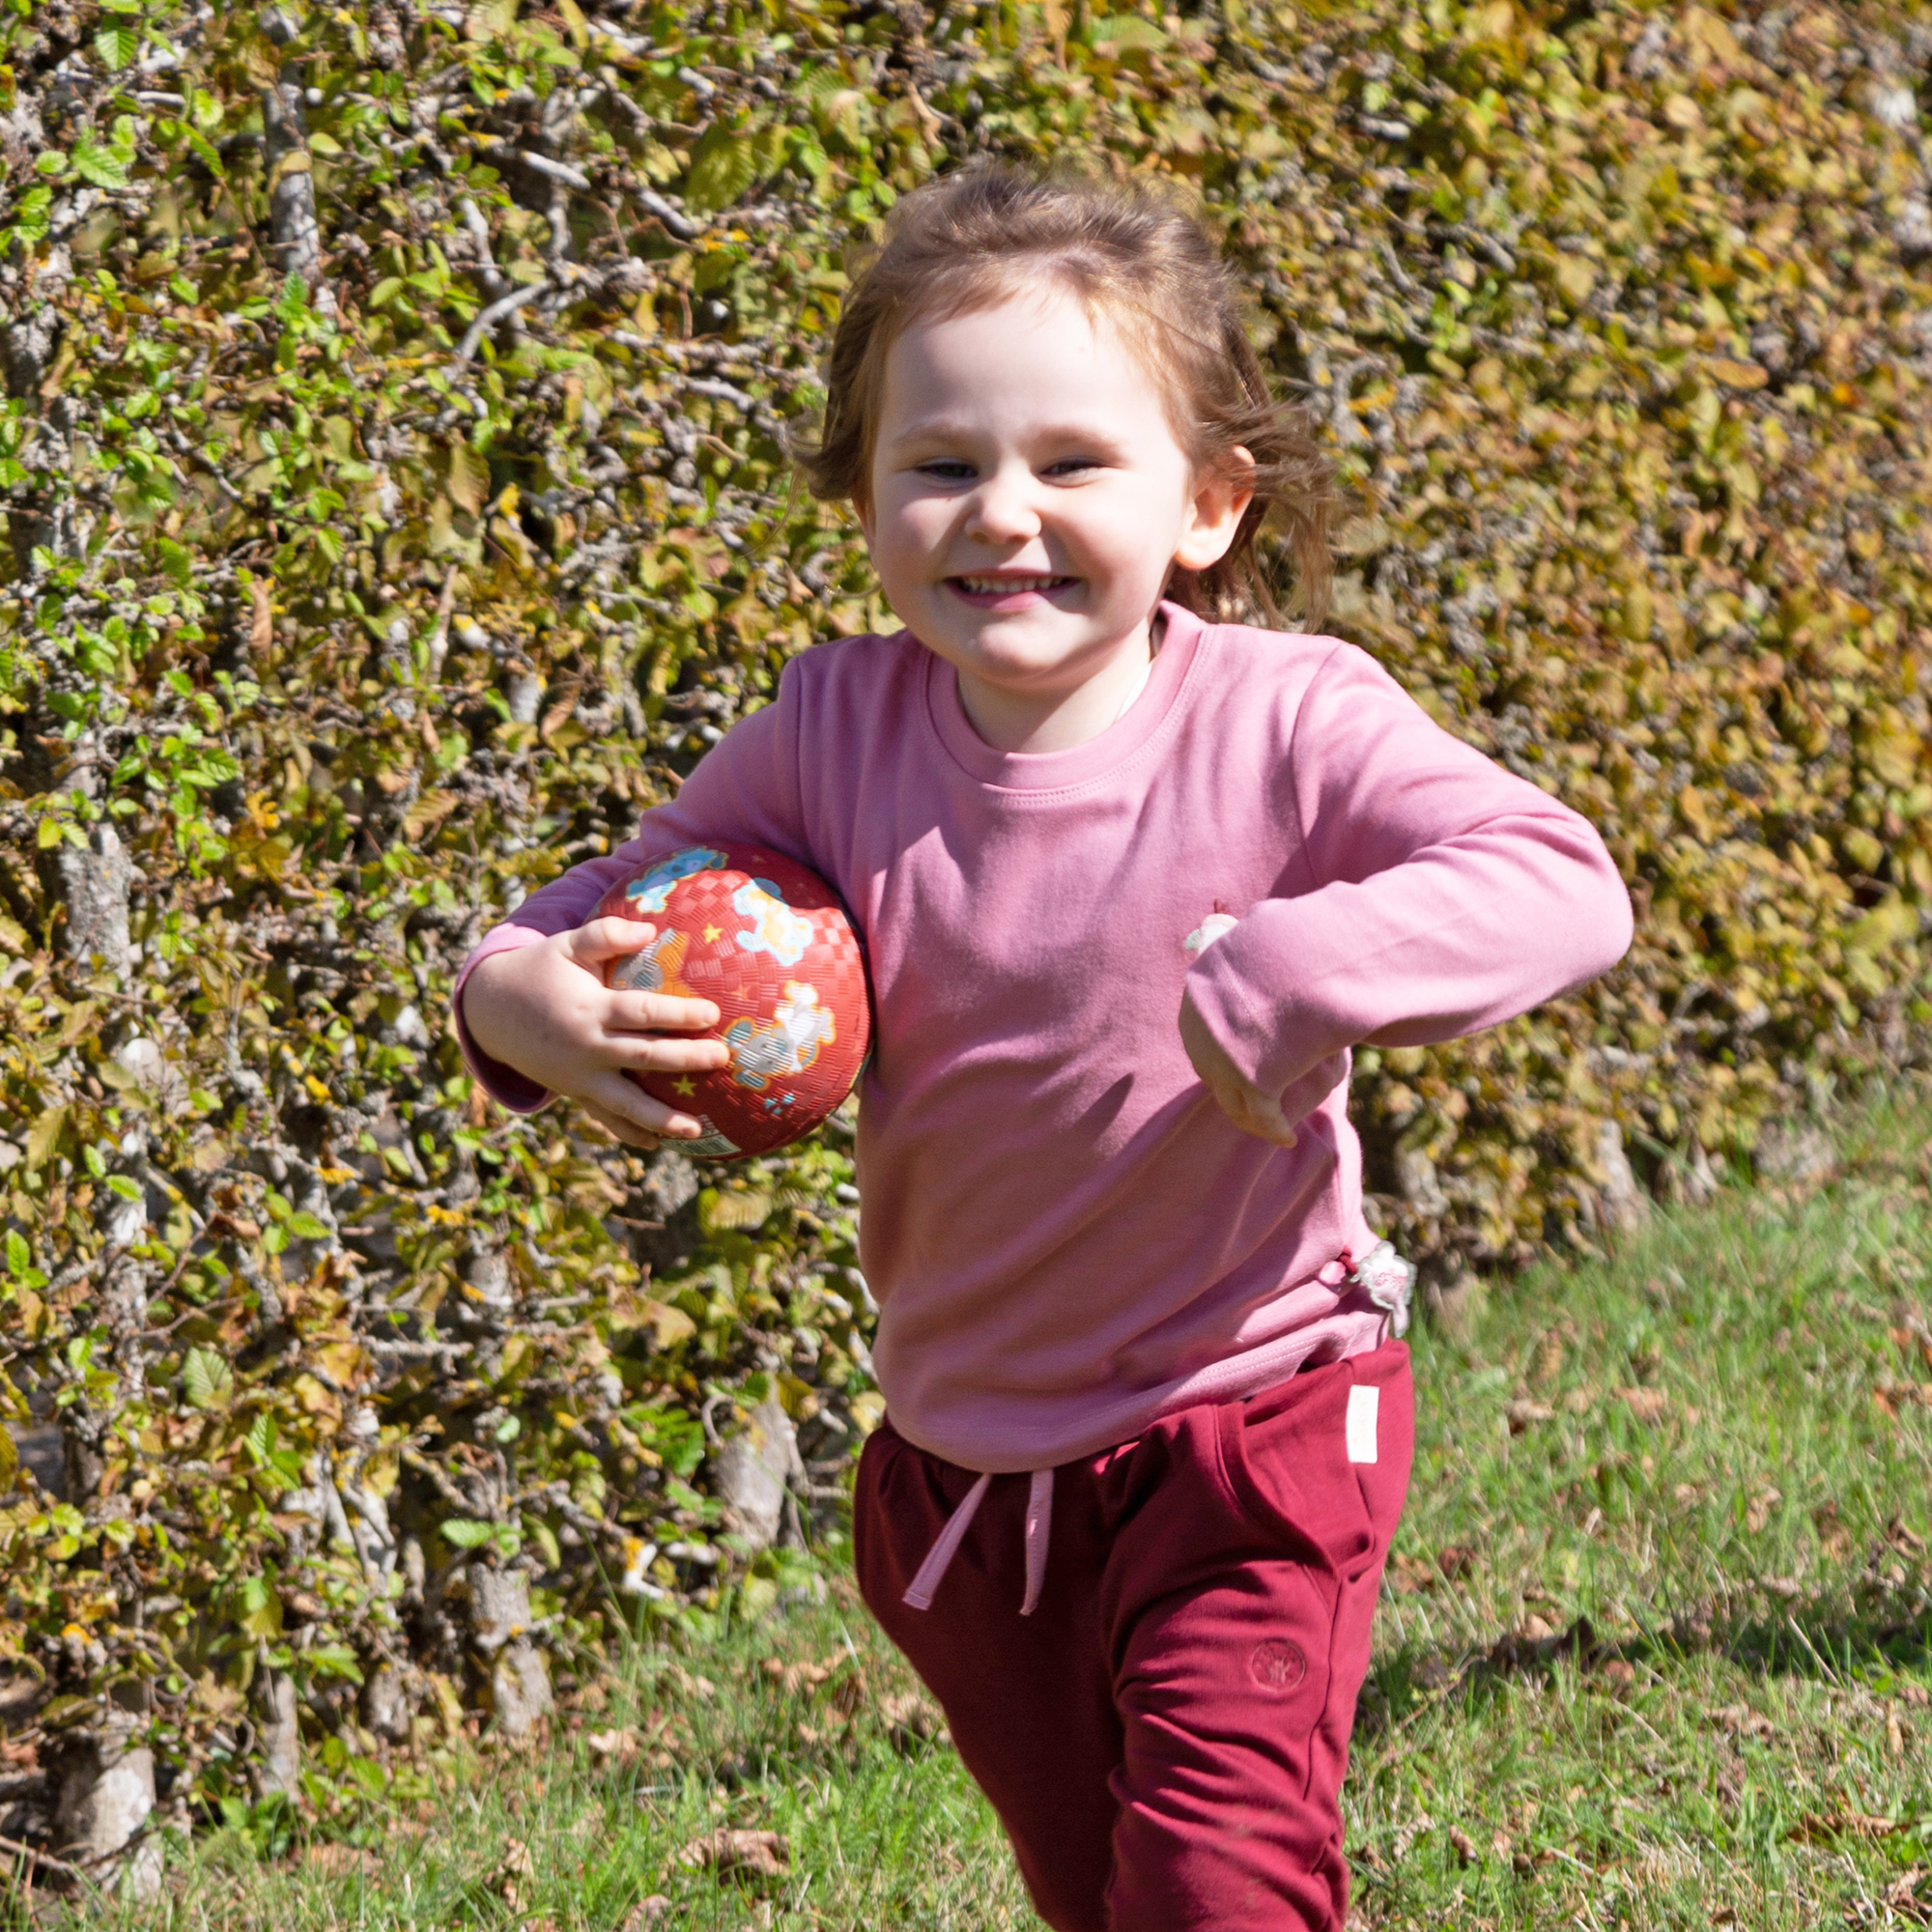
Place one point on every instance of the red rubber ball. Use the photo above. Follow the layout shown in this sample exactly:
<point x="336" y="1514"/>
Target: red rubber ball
<point x="768" y="943"/>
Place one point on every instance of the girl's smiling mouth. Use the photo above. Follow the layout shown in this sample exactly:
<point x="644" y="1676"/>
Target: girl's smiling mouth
<point x="991" y="589"/>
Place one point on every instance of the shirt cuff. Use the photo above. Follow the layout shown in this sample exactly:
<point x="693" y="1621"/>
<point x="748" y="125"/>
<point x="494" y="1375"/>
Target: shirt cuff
<point x="504" y="1085"/>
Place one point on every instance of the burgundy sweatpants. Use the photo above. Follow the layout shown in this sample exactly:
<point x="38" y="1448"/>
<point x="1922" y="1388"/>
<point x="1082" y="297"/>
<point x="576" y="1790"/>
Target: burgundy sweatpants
<point x="1164" y="1738"/>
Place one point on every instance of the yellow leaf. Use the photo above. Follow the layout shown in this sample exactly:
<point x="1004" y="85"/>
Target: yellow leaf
<point x="1639" y="609"/>
<point x="1888" y="923"/>
<point x="43" y="1136"/>
<point x="1738" y="375"/>
<point x="1575" y="279"/>
<point x="468" y="478"/>
<point x="1696" y="811"/>
<point x="342" y="1362"/>
<point x="519" y="1357"/>
<point x="428" y="812"/>
<point x="316" y="1400"/>
<point x="668" y="1325"/>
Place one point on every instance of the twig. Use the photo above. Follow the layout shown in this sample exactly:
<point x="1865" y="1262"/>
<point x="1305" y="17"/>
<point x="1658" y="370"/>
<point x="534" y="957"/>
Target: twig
<point x="205" y="1314"/>
<point x="655" y="204"/>
<point x="556" y="171"/>
<point x="724" y="392"/>
<point x="497" y="310"/>
<point x="405" y="1350"/>
<point x="439" y="636"/>
<point x="18" y="1850"/>
<point x="79" y="1270"/>
<point x="487" y="270"/>
<point x="183" y="448"/>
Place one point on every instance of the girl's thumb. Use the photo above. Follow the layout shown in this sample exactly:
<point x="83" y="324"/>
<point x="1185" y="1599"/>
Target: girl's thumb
<point x="608" y="938"/>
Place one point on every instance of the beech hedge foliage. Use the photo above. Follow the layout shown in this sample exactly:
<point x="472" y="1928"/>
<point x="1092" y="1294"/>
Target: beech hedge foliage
<point x="394" y="484"/>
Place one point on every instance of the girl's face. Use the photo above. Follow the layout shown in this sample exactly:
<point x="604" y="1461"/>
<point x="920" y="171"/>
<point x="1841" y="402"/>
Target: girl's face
<point x="1028" y="497"/>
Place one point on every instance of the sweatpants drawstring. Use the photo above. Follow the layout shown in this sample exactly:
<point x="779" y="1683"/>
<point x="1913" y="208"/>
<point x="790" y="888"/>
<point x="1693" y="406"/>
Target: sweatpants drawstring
<point x="1386" y="1277"/>
<point x="1039" y="1527"/>
<point x="1038" y="1534"/>
<point x="918" y="1592"/>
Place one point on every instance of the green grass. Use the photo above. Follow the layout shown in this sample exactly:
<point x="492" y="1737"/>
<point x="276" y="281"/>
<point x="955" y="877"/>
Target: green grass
<point x="1706" y="1448"/>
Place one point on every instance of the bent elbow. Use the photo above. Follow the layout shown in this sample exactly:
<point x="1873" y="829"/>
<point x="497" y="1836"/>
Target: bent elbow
<point x="1604" y="922"/>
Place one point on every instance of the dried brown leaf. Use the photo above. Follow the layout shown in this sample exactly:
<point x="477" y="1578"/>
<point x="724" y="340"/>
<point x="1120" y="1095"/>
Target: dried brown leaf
<point x="1647" y="1405"/>
<point x="761" y="1854"/>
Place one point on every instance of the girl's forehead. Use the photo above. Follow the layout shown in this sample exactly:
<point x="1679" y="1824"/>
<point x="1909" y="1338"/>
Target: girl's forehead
<point x="1051" y="314"/>
<point x="1032" y="343"/>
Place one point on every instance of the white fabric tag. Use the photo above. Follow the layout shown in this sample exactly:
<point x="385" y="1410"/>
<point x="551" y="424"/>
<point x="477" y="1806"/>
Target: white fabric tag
<point x="1364" y="1404"/>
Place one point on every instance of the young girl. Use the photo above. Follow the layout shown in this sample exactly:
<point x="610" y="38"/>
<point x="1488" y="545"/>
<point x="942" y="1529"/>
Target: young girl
<point x="1132" y="881"/>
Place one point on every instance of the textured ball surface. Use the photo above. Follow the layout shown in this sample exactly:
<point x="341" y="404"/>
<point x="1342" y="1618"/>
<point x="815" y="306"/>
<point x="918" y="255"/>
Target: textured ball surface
<point x="768" y="943"/>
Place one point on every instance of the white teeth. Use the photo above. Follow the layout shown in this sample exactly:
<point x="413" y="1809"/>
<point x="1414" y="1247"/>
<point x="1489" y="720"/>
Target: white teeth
<point x="990" y="587"/>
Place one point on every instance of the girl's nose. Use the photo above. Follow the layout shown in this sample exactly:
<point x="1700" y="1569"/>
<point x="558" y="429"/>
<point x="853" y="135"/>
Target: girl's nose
<point x="1003" y="509"/>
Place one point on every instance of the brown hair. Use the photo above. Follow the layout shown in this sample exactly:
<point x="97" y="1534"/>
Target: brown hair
<point x="976" y="237"/>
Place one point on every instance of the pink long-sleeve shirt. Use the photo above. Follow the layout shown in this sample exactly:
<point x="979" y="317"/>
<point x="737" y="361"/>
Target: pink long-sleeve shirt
<point x="1066" y="1236"/>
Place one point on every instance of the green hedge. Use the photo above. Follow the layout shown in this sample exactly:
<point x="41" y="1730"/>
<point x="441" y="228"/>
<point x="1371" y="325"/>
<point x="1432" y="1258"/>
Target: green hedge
<point x="396" y="506"/>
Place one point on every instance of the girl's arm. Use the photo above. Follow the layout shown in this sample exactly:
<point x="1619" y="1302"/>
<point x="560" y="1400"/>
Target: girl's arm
<point x="533" y="1011"/>
<point x="1442" y="895"/>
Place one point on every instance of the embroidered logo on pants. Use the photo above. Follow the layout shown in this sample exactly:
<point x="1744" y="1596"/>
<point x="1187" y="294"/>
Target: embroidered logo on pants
<point x="1277" y="1665"/>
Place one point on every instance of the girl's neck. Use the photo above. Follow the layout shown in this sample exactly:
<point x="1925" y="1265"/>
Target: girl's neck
<point x="1040" y="721"/>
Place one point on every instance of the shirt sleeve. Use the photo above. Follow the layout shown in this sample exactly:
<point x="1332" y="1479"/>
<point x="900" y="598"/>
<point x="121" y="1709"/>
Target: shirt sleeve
<point x="1444" y="895"/>
<point x="744" y="788"/>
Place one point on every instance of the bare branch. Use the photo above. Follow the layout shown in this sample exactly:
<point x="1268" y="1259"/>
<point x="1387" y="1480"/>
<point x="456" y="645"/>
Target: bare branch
<point x="496" y="312"/>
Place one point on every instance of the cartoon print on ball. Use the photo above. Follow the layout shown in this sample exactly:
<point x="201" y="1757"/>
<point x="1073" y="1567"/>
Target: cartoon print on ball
<point x="787" y="1043"/>
<point x="765" y="940"/>
<point x="650" y="892"/>
<point x="776" y="929"/>
<point x="656" y="967"/>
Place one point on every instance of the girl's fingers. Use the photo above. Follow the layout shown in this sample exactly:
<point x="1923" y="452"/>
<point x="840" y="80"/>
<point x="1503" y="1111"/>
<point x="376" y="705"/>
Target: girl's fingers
<point x="620" y="1100"/>
<point x="1252" y="1112"/>
<point x="661" y="1013"/>
<point x="647" y="1053"/>
<point x="602" y="940"/>
<point x="627" y="1131"/>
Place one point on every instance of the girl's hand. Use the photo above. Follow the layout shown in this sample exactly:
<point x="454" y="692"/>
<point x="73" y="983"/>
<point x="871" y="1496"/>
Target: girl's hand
<point x="1238" y="1097"/>
<point x="545" y="1010"/>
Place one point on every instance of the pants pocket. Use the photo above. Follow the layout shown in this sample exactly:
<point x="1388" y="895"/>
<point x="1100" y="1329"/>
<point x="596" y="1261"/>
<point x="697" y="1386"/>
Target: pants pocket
<point x="1319" y="1462"/>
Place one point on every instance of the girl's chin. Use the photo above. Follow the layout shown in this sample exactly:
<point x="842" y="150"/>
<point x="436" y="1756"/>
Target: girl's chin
<point x="1035" y="617"/>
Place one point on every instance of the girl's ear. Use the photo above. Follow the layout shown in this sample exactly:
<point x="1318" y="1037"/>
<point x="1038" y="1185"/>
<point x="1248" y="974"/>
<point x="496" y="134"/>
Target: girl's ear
<point x="1221" y="498"/>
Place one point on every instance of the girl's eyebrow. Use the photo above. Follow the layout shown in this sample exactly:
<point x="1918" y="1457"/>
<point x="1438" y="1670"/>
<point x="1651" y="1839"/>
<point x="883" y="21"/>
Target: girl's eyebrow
<point x="947" y="429"/>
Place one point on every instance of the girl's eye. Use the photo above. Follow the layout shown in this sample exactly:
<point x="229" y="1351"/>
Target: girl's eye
<point x="1071" y="466"/>
<point x="946" y="469"/>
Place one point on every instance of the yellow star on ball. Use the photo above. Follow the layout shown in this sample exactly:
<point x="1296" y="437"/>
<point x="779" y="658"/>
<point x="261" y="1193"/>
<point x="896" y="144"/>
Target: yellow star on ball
<point x="713" y="934"/>
<point x="687" y="1085"/>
